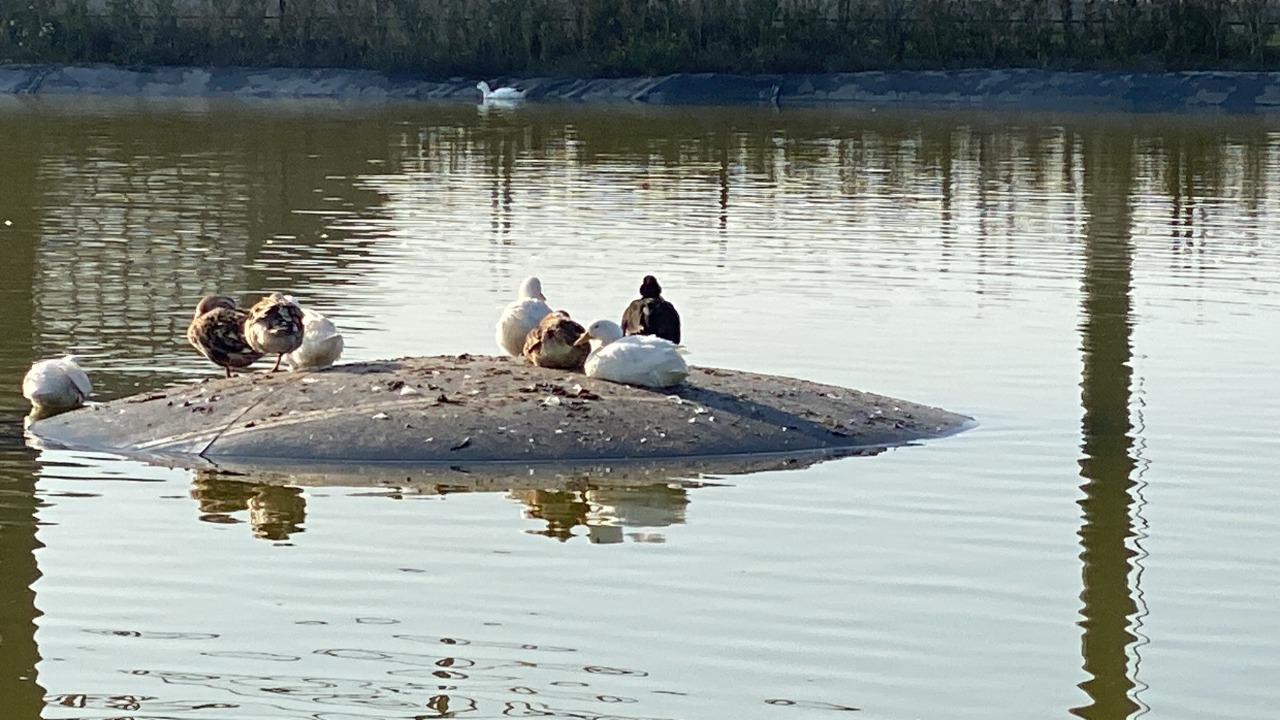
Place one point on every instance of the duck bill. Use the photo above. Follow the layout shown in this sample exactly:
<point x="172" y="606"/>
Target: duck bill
<point x="583" y="339"/>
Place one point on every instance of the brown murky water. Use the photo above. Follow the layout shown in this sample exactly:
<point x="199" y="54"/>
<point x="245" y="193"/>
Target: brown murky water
<point x="1100" y="292"/>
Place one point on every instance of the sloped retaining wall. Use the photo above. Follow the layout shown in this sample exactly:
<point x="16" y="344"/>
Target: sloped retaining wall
<point x="1236" y="92"/>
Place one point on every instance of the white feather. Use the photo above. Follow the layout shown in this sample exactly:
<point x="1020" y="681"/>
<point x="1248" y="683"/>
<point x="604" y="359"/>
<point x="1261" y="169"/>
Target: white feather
<point x="56" y="384"/>
<point x="322" y="344"/>
<point x="643" y="360"/>
<point x="521" y="316"/>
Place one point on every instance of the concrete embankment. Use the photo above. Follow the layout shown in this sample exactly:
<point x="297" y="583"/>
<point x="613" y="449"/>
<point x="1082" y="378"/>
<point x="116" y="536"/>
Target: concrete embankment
<point x="1237" y="92"/>
<point x="467" y="411"/>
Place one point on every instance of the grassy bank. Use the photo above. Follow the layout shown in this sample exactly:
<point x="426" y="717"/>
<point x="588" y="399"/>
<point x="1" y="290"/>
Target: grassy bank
<point x="635" y="37"/>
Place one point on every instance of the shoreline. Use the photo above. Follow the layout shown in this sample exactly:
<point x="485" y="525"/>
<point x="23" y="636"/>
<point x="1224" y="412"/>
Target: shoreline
<point x="1021" y="89"/>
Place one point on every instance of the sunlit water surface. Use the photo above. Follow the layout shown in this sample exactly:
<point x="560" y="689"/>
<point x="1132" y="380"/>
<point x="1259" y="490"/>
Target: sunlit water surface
<point x="1099" y="293"/>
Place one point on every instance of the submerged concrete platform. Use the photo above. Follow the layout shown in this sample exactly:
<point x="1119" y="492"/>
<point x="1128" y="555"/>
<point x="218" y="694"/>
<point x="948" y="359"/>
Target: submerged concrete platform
<point x="459" y="411"/>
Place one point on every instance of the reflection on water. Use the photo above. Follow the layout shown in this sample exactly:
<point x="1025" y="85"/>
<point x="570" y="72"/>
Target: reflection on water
<point x="1048" y="274"/>
<point x="1107" y="535"/>
<point x="19" y="653"/>
<point x="604" y="512"/>
<point x="510" y="680"/>
<point x="275" y="512"/>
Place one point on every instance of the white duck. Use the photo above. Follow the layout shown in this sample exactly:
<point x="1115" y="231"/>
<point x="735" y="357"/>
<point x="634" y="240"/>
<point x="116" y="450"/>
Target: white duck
<point x="521" y="316"/>
<point x="499" y="95"/>
<point x="643" y="360"/>
<point x="322" y="344"/>
<point x="56" y="385"/>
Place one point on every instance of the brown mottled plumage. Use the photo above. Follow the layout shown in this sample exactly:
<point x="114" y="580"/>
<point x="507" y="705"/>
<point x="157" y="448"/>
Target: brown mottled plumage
<point x="217" y="331"/>
<point x="551" y="344"/>
<point x="274" y="327"/>
<point x="651" y="314"/>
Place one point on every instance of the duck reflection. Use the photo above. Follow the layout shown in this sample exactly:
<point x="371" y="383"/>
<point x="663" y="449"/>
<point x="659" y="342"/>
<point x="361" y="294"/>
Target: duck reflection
<point x="563" y="510"/>
<point x="447" y="706"/>
<point x="275" y="511"/>
<point x="605" y="511"/>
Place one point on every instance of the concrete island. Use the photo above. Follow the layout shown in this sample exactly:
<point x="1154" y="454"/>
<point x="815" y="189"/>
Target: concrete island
<point x="464" y="417"/>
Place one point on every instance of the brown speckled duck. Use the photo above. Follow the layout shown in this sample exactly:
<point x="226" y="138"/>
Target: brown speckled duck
<point x="217" y="331"/>
<point x="650" y="314"/>
<point x="274" y="327"/>
<point x="551" y="343"/>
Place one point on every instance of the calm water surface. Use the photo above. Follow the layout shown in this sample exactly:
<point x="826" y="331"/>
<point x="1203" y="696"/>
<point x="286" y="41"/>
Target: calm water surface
<point x="1101" y="293"/>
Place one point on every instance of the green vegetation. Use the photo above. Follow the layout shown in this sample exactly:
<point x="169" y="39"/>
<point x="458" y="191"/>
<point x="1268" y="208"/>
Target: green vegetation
<point x="635" y="37"/>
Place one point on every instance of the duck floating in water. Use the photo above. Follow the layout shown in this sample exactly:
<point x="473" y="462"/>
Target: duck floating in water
<point x="322" y="344"/>
<point x="274" y="327"/>
<point x="55" y="386"/>
<point x="651" y="314"/>
<point x="521" y="316"/>
<point x="217" y="331"/>
<point x="552" y="343"/>
<point x="499" y="95"/>
<point x="642" y="360"/>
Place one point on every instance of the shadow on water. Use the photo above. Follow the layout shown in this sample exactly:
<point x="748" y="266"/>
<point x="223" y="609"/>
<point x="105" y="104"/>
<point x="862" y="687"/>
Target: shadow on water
<point x="1107" y="536"/>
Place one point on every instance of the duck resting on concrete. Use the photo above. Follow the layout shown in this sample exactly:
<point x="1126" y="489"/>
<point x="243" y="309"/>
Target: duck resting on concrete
<point x="651" y="314"/>
<point x="642" y="360"/>
<point x="521" y="316"/>
<point x="274" y="327"/>
<point x="56" y="385"/>
<point x="217" y="331"/>
<point x="322" y="344"/>
<point x="552" y="344"/>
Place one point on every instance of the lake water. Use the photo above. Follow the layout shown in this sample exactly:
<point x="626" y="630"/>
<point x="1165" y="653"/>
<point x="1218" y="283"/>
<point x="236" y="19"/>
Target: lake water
<point x="1100" y="293"/>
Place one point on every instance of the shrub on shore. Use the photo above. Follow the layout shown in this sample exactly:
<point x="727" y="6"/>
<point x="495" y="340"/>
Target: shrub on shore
<point x="635" y="37"/>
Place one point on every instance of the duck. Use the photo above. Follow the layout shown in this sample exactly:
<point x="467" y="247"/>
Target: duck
<point x="552" y="343"/>
<point x="274" y="327"/>
<point x="322" y="344"/>
<point x="643" y="360"/>
<point x="56" y="385"/>
<point x="499" y="95"/>
<point x="651" y="314"/>
<point x="217" y="331"/>
<point x="521" y="316"/>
